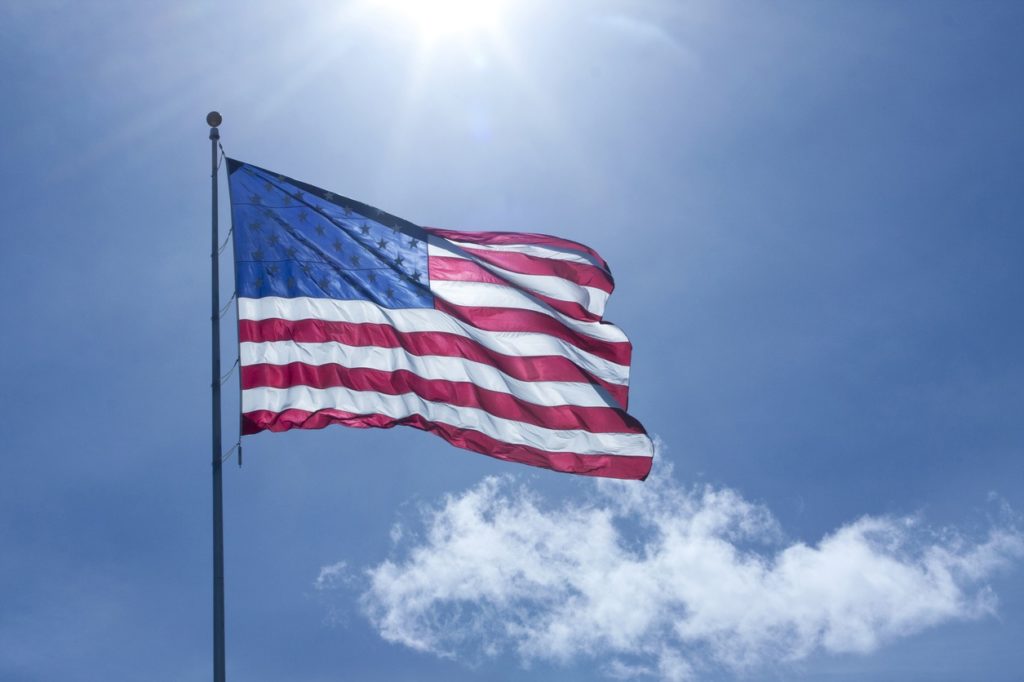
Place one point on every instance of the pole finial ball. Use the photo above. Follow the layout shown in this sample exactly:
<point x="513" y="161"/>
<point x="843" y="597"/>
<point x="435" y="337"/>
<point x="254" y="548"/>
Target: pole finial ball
<point x="213" y="119"/>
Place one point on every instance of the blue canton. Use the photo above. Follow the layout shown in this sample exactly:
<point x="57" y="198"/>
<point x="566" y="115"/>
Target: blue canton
<point x="292" y="239"/>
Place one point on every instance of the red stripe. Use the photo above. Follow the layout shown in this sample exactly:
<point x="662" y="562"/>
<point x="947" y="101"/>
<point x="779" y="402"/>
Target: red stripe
<point x="610" y="466"/>
<point x="460" y="393"/>
<point x="462" y="270"/>
<point x="515" y="238"/>
<point x="537" y="368"/>
<point x="584" y="275"/>
<point x="519" y="320"/>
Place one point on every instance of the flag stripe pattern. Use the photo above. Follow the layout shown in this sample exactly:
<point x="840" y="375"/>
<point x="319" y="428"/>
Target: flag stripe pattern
<point x="493" y="341"/>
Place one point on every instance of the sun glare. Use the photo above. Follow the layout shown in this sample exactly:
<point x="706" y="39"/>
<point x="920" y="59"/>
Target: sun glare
<point x="441" y="18"/>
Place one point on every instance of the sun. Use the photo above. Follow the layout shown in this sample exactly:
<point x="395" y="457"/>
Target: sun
<point x="436" y="19"/>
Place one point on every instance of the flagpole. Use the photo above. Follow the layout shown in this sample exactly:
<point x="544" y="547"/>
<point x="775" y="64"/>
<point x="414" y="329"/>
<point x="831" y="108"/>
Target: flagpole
<point x="213" y="119"/>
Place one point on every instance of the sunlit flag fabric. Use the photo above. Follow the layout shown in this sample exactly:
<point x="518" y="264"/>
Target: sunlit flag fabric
<point x="492" y="340"/>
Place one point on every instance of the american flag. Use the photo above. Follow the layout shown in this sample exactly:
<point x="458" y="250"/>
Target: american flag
<point x="492" y="340"/>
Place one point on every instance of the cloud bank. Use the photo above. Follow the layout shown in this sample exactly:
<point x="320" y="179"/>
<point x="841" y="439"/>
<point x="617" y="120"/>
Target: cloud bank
<point x="657" y="580"/>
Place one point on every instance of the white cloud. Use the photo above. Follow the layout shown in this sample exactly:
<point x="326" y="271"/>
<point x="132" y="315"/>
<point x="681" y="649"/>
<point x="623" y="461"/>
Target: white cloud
<point x="656" y="580"/>
<point x="332" y="576"/>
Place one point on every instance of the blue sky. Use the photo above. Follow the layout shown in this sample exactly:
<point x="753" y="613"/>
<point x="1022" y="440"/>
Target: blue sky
<point x="813" y="214"/>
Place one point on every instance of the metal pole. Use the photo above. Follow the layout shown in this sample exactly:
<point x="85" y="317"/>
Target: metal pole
<point x="213" y="119"/>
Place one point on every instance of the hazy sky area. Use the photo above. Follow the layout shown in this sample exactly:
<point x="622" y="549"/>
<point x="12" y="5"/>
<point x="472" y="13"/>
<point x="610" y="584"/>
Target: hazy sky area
<point x="813" y="214"/>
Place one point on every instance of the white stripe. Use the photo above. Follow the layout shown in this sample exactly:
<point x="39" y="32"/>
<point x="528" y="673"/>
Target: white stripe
<point x="490" y="295"/>
<point x="591" y="298"/>
<point x="436" y="367"/>
<point x="538" y="250"/>
<point x="521" y="344"/>
<point x="406" y="404"/>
